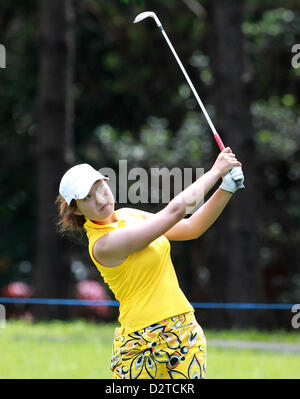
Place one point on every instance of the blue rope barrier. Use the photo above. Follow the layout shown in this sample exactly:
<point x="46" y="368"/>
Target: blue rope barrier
<point x="196" y="305"/>
<point x="241" y="305"/>
<point x="53" y="301"/>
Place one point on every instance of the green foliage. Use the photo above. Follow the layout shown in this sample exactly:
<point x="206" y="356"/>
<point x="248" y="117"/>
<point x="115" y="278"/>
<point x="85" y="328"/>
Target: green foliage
<point x="157" y="145"/>
<point x="274" y="23"/>
<point x="280" y="134"/>
<point x="138" y="2"/>
<point x="271" y="36"/>
<point x="18" y="87"/>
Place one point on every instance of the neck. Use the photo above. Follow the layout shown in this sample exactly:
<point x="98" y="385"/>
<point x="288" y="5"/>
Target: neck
<point x="111" y="219"/>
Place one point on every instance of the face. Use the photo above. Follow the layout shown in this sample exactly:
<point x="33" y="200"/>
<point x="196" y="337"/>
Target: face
<point x="98" y="205"/>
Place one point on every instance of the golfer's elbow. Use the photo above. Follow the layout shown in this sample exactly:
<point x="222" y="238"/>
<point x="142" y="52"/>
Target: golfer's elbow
<point x="176" y="209"/>
<point x="196" y="229"/>
<point x="196" y="235"/>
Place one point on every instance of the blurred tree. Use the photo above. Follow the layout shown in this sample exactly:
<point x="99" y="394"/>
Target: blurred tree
<point x="236" y="275"/>
<point x="52" y="273"/>
<point x="272" y="29"/>
<point x="18" y="84"/>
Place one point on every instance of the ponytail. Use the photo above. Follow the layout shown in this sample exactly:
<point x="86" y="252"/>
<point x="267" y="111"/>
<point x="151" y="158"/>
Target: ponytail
<point x="67" y="220"/>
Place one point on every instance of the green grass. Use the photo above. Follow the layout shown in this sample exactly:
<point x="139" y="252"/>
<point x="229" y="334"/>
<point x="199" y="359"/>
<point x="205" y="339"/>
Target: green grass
<point x="55" y="350"/>
<point x="282" y="336"/>
<point x="250" y="364"/>
<point x="80" y="350"/>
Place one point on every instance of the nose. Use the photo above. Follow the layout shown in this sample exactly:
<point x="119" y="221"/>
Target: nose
<point x="100" y="196"/>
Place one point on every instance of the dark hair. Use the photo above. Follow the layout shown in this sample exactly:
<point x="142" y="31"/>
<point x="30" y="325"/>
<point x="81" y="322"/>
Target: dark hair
<point x="68" y="222"/>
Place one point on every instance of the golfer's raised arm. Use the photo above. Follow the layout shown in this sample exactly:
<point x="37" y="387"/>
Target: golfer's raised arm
<point x="118" y="244"/>
<point x="194" y="226"/>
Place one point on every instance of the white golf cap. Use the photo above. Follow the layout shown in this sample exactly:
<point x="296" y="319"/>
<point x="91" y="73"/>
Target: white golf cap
<point x="77" y="182"/>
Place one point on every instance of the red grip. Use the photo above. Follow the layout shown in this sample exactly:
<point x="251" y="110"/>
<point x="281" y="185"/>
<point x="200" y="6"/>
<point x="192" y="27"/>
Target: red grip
<point x="219" y="141"/>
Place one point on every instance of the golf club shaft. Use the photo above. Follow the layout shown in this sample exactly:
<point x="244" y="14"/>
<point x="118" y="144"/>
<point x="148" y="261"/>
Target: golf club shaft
<point x="213" y="129"/>
<point x="218" y="139"/>
<point x="147" y="14"/>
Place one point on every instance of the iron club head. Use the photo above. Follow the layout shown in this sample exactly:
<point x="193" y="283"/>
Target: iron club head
<point x="147" y="14"/>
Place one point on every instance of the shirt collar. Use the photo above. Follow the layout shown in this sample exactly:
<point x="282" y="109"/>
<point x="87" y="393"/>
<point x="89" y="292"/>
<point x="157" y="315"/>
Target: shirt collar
<point x="90" y="224"/>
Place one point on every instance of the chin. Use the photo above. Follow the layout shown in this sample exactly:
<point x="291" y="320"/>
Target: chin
<point x="107" y="211"/>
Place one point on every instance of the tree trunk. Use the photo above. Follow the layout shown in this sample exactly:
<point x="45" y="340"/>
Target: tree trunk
<point x="52" y="273"/>
<point x="236" y="276"/>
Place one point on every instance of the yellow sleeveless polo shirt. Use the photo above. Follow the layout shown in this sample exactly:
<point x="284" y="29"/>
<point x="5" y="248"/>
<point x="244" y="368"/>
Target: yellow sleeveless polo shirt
<point x="145" y="284"/>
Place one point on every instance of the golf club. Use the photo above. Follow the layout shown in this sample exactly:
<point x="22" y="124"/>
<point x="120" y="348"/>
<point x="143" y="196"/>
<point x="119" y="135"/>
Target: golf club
<point x="218" y="139"/>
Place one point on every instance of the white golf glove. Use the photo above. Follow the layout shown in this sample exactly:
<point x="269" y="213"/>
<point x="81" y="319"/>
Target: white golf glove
<point x="229" y="180"/>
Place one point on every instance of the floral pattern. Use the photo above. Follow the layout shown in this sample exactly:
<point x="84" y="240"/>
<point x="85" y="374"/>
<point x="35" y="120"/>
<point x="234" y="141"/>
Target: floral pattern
<point x="173" y="348"/>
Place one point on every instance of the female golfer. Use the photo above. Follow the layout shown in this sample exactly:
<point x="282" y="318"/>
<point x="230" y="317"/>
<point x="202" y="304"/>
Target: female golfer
<point x="158" y="336"/>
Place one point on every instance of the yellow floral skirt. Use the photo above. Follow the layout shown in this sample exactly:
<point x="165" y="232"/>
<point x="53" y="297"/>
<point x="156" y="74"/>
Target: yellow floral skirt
<point x="174" y="348"/>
